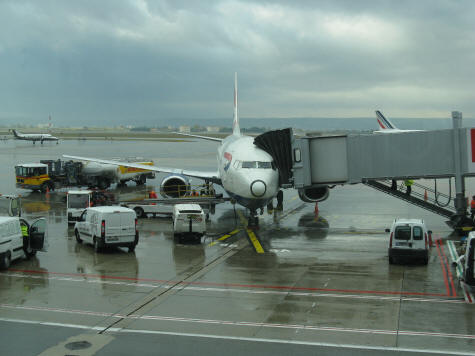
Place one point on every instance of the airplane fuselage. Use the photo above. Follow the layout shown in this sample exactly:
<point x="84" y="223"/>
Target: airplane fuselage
<point x="247" y="173"/>
<point x="34" y="137"/>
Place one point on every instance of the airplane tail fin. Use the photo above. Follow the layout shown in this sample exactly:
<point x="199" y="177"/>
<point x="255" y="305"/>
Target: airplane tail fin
<point x="236" y="128"/>
<point x="384" y="123"/>
<point x="15" y="133"/>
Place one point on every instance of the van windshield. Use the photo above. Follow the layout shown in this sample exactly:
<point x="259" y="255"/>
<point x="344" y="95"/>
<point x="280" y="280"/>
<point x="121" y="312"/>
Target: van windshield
<point x="417" y="233"/>
<point x="402" y="233"/>
<point x="190" y="211"/>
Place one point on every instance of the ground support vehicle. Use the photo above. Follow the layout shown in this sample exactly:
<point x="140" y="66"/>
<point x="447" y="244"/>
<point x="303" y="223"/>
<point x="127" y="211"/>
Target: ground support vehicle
<point x="78" y="200"/>
<point x="156" y="207"/>
<point x="463" y="257"/>
<point x="54" y="174"/>
<point x="106" y="226"/>
<point x="144" y="209"/>
<point x="14" y="245"/>
<point x="188" y="221"/>
<point x="10" y="205"/>
<point x="409" y="240"/>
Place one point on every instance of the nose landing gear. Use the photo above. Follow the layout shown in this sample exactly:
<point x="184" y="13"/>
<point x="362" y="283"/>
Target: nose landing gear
<point x="253" y="220"/>
<point x="280" y="200"/>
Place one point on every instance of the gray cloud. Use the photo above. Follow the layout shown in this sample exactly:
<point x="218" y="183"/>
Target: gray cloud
<point x="118" y="61"/>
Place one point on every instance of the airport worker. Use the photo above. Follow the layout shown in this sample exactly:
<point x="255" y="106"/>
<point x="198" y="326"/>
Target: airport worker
<point x="24" y="230"/>
<point x="472" y="207"/>
<point x="408" y="183"/>
<point x="393" y="185"/>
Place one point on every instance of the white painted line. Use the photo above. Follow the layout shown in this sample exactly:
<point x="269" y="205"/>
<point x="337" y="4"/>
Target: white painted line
<point x="294" y="342"/>
<point x="245" y="323"/>
<point x="187" y="287"/>
<point x="277" y="341"/>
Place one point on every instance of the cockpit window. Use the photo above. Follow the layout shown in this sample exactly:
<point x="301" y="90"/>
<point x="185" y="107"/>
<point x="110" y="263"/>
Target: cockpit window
<point x="264" y="165"/>
<point x="248" y="164"/>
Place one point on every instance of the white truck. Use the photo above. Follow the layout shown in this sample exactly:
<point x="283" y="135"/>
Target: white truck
<point x="409" y="239"/>
<point x="78" y="200"/>
<point x="105" y="226"/>
<point x="467" y="261"/>
<point x="13" y="245"/>
<point x="189" y="221"/>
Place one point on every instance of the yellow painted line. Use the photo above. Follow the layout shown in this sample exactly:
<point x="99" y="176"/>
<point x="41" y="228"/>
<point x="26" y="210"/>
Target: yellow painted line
<point x="224" y="237"/>
<point x="255" y="242"/>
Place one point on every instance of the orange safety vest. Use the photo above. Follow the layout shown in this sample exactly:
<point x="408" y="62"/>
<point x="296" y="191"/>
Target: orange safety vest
<point x="472" y="204"/>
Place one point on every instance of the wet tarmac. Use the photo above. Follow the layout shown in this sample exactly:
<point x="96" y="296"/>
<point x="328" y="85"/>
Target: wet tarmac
<point x="323" y="284"/>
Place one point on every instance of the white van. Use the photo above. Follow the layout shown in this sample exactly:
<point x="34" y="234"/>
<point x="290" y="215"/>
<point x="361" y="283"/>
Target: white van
<point x="469" y="260"/>
<point x="76" y="202"/>
<point x="12" y="243"/>
<point x="189" y="221"/>
<point x="105" y="226"/>
<point x="408" y="240"/>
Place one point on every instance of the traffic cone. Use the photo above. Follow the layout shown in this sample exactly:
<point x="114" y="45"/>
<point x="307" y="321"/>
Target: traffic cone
<point x="425" y="194"/>
<point x="47" y="193"/>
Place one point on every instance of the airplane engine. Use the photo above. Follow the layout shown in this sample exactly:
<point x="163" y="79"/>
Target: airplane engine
<point x="314" y="194"/>
<point x="175" y="186"/>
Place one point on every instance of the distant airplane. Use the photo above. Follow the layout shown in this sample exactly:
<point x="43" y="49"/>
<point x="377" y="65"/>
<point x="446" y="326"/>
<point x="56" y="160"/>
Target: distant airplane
<point x="34" y="137"/>
<point x="246" y="172"/>
<point x="387" y="126"/>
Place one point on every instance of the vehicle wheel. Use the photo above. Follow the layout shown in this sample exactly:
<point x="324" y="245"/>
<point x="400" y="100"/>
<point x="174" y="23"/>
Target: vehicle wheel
<point x="426" y="260"/>
<point x="97" y="246"/>
<point x="132" y="248"/>
<point x="140" y="213"/>
<point x="78" y="238"/>
<point x="29" y="252"/>
<point x="6" y="260"/>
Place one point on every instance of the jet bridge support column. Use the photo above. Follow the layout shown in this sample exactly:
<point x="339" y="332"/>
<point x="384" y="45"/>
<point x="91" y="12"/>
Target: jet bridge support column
<point x="460" y="201"/>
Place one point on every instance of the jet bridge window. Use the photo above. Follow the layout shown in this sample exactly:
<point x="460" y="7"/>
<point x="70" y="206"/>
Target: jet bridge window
<point x="402" y="233"/>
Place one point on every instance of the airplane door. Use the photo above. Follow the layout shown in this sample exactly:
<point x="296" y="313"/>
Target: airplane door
<point x="38" y="235"/>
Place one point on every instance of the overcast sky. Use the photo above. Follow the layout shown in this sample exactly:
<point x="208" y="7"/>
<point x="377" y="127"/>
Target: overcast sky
<point x="110" y="62"/>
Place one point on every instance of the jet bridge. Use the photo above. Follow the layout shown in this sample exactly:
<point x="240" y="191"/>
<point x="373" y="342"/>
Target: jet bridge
<point x="319" y="162"/>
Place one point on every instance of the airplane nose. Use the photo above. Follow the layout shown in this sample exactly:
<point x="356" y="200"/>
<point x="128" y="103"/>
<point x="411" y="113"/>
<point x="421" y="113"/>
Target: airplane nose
<point x="258" y="188"/>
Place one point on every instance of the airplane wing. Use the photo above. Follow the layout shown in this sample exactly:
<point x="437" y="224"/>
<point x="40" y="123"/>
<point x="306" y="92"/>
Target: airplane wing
<point x="212" y="176"/>
<point x="201" y="137"/>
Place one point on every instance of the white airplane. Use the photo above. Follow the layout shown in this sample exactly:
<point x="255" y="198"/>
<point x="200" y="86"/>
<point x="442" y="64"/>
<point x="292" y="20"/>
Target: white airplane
<point x="34" y="137"/>
<point x="246" y="172"/>
<point x="387" y="126"/>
